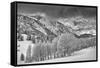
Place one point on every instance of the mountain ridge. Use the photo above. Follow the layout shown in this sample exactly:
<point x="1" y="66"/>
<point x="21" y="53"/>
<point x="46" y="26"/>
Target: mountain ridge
<point x="44" y="25"/>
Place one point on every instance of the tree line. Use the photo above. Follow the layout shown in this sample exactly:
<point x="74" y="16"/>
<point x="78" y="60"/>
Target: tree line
<point x="61" y="46"/>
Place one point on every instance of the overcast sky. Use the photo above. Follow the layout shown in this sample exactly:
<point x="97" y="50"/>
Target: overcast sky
<point x="56" y="11"/>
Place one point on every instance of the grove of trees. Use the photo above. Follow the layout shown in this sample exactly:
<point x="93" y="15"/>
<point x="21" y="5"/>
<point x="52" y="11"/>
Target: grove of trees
<point x="61" y="46"/>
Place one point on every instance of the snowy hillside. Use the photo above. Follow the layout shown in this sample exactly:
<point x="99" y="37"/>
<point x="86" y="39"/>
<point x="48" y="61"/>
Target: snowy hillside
<point x="84" y="54"/>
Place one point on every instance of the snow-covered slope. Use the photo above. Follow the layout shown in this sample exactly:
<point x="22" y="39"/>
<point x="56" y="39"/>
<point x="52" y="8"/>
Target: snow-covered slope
<point x="82" y="55"/>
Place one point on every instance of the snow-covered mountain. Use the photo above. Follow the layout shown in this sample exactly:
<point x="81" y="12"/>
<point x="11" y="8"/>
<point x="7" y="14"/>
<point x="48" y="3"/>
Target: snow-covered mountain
<point x="41" y="24"/>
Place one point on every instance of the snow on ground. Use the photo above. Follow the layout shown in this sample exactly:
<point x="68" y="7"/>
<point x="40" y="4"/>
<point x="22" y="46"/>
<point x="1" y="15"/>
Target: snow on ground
<point x="82" y="55"/>
<point x="23" y="48"/>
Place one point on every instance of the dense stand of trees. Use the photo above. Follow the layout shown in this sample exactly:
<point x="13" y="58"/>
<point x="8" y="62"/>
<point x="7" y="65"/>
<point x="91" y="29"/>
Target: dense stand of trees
<point x="61" y="46"/>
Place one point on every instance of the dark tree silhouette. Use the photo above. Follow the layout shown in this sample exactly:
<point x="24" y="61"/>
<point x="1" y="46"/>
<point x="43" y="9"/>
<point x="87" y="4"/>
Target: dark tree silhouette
<point x="22" y="57"/>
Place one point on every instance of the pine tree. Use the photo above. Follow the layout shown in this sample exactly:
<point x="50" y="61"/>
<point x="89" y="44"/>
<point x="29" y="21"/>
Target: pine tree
<point x="22" y="57"/>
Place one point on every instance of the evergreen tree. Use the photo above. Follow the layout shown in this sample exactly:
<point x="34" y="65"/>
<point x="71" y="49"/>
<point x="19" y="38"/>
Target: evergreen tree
<point x="22" y="57"/>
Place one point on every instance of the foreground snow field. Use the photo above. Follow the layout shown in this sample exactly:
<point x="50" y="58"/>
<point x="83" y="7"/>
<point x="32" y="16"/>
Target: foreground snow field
<point x="23" y="48"/>
<point x="82" y="55"/>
